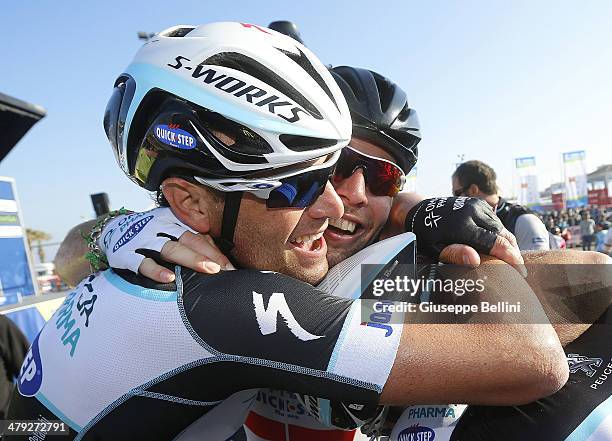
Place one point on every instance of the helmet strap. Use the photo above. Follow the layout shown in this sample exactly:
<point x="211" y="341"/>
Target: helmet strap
<point x="230" y="217"/>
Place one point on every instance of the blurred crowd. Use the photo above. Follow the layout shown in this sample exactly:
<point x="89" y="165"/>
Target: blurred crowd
<point x="587" y="227"/>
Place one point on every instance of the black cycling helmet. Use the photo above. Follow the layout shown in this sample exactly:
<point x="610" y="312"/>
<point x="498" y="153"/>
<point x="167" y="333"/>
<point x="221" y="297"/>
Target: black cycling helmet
<point x="380" y="113"/>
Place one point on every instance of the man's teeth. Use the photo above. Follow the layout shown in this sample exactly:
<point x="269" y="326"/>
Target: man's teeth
<point x="308" y="238"/>
<point x="343" y="224"/>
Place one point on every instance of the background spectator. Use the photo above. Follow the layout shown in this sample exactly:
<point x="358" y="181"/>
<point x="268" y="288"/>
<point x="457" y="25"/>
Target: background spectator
<point x="560" y="241"/>
<point x="13" y="348"/>
<point x="587" y="230"/>
<point x="477" y="179"/>
<point x="601" y="230"/>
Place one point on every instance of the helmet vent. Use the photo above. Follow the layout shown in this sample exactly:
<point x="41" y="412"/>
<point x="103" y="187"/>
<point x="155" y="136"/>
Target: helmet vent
<point x="249" y="66"/>
<point x="179" y="32"/>
<point x="303" y="61"/>
<point x="385" y="91"/>
<point x="403" y="115"/>
<point x="234" y="136"/>
<point x="305" y="143"/>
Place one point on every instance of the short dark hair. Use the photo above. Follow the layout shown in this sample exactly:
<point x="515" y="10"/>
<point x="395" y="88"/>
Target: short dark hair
<point x="161" y="199"/>
<point x="479" y="173"/>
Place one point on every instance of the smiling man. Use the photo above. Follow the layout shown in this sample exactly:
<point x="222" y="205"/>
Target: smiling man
<point x="367" y="177"/>
<point x="145" y="361"/>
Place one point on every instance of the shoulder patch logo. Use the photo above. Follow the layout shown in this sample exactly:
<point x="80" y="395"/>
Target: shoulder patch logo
<point x="132" y="232"/>
<point x="266" y="318"/>
<point x="587" y="365"/>
<point x="30" y="377"/>
<point x="417" y="433"/>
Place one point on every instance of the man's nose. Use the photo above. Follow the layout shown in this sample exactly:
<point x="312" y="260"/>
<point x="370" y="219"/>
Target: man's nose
<point x="352" y="190"/>
<point x="328" y="205"/>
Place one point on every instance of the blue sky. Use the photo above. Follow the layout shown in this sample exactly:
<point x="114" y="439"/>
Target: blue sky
<point x="492" y="80"/>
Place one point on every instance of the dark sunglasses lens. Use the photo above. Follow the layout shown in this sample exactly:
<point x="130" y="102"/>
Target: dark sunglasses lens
<point x="382" y="178"/>
<point x="385" y="179"/>
<point x="346" y="164"/>
<point x="299" y="191"/>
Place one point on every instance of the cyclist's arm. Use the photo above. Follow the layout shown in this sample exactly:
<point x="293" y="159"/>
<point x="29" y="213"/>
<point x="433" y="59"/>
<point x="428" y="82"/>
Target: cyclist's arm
<point x="196" y="251"/>
<point x="451" y="227"/>
<point x="340" y="358"/>
<point x="574" y="288"/>
<point x="402" y="204"/>
<point x="495" y="364"/>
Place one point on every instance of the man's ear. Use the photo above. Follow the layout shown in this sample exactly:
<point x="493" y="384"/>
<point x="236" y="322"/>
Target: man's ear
<point x="473" y="190"/>
<point x="188" y="202"/>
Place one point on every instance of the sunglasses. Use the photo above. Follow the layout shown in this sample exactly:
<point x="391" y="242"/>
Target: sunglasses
<point x="296" y="189"/>
<point x="383" y="177"/>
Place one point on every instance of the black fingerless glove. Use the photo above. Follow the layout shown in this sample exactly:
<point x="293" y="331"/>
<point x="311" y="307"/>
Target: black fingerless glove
<point x="439" y="222"/>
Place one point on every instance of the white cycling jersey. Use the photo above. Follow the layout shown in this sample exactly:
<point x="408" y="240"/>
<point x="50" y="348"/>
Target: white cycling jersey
<point x="276" y="415"/>
<point x="531" y="233"/>
<point x="119" y="360"/>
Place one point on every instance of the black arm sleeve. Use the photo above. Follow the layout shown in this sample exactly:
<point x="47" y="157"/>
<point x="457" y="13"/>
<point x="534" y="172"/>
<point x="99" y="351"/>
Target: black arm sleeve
<point x="570" y="411"/>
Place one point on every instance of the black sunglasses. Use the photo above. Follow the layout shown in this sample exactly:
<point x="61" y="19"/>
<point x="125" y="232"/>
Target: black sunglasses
<point x="297" y="189"/>
<point x="383" y="177"/>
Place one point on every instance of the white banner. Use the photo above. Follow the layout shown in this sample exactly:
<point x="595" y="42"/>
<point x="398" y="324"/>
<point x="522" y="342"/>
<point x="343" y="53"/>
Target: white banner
<point x="410" y="185"/>
<point x="527" y="181"/>
<point x="574" y="169"/>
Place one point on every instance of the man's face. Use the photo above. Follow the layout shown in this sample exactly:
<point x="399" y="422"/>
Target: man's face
<point x="364" y="214"/>
<point x="286" y="240"/>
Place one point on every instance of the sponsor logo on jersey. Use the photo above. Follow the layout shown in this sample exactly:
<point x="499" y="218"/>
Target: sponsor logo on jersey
<point x="601" y="379"/>
<point x="67" y="315"/>
<point x="254" y="95"/>
<point x="174" y="136"/>
<point x="31" y="374"/>
<point x="417" y="433"/>
<point x="131" y="232"/>
<point x="431" y="412"/>
<point x="380" y="319"/>
<point x="284" y="404"/>
<point x="267" y="318"/>
<point x="459" y="202"/>
<point x="431" y="220"/>
<point x="65" y="320"/>
<point x="107" y="238"/>
<point x="435" y="203"/>
<point x="585" y="364"/>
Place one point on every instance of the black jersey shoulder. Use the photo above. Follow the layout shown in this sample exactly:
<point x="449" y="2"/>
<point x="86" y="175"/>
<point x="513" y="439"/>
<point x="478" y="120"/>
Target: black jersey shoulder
<point x="264" y="315"/>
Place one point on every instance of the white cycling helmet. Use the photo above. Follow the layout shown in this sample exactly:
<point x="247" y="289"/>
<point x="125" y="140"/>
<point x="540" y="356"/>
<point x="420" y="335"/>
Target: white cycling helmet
<point x="224" y="102"/>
